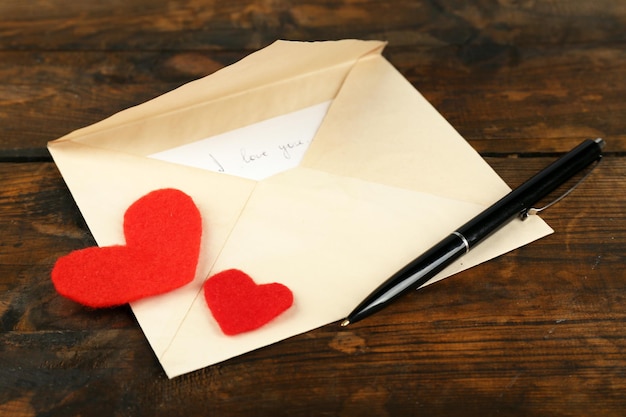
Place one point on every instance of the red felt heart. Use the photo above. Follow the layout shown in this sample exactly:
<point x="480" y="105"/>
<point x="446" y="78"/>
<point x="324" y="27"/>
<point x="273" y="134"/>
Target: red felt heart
<point x="239" y="305"/>
<point x="162" y="230"/>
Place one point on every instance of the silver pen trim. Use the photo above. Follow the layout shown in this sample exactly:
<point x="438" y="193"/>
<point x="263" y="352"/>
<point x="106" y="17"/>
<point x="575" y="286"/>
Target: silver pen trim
<point x="465" y="242"/>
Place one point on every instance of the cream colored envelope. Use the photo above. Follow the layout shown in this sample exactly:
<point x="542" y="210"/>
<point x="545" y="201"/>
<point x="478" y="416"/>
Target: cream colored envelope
<point x="384" y="178"/>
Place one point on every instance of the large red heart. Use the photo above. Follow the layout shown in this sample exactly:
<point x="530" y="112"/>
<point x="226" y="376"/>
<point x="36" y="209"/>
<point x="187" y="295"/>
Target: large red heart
<point x="162" y="230"/>
<point x="239" y="305"/>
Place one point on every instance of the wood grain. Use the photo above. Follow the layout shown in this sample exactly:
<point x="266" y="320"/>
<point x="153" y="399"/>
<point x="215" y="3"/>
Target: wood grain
<point x="496" y="71"/>
<point x="443" y="348"/>
<point x="538" y="331"/>
<point x="497" y="104"/>
<point x="240" y="24"/>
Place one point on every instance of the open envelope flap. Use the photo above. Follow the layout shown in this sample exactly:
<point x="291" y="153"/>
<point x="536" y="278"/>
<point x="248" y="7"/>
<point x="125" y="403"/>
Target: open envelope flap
<point x="282" y="78"/>
<point x="382" y="129"/>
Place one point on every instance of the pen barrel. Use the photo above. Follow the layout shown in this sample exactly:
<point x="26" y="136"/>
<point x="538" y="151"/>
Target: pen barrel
<point x="531" y="191"/>
<point x="425" y="267"/>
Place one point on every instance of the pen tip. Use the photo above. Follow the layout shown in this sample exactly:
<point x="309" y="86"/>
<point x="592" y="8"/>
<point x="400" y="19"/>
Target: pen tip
<point x="345" y="323"/>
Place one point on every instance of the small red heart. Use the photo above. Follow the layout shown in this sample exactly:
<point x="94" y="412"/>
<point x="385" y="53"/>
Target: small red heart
<point x="163" y="230"/>
<point x="239" y="305"/>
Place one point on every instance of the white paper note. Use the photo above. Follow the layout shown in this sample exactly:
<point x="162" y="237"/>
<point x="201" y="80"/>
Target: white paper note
<point x="257" y="151"/>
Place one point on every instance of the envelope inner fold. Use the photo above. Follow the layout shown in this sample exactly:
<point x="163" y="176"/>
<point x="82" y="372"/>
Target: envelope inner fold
<point x="184" y="125"/>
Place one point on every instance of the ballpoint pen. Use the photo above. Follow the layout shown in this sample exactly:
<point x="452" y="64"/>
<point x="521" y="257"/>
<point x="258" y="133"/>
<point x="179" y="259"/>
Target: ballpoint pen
<point x="517" y="203"/>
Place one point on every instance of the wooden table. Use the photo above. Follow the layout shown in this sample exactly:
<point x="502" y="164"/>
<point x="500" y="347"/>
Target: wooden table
<point x="539" y="331"/>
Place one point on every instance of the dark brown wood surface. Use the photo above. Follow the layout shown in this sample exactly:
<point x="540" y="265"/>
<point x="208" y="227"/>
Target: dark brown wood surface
<point x="539" y="331"/>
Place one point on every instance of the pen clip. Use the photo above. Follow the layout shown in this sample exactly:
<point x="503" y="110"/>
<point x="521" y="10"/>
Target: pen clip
<point x="532" y="211"/>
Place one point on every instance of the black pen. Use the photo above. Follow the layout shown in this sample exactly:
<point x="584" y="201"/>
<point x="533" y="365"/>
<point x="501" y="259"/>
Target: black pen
<point x="517" y="203"/>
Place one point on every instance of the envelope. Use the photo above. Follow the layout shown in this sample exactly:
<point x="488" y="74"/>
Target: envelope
<point x="384" y="177"/>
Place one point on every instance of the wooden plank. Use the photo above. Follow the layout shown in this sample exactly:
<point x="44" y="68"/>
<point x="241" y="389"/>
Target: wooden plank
<point x="46" y="95"/>
<point x="516" y="101"/>
<point x="532" y="331"/>
<point x="240" y="25"/>
<point x="525" y="100"/>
